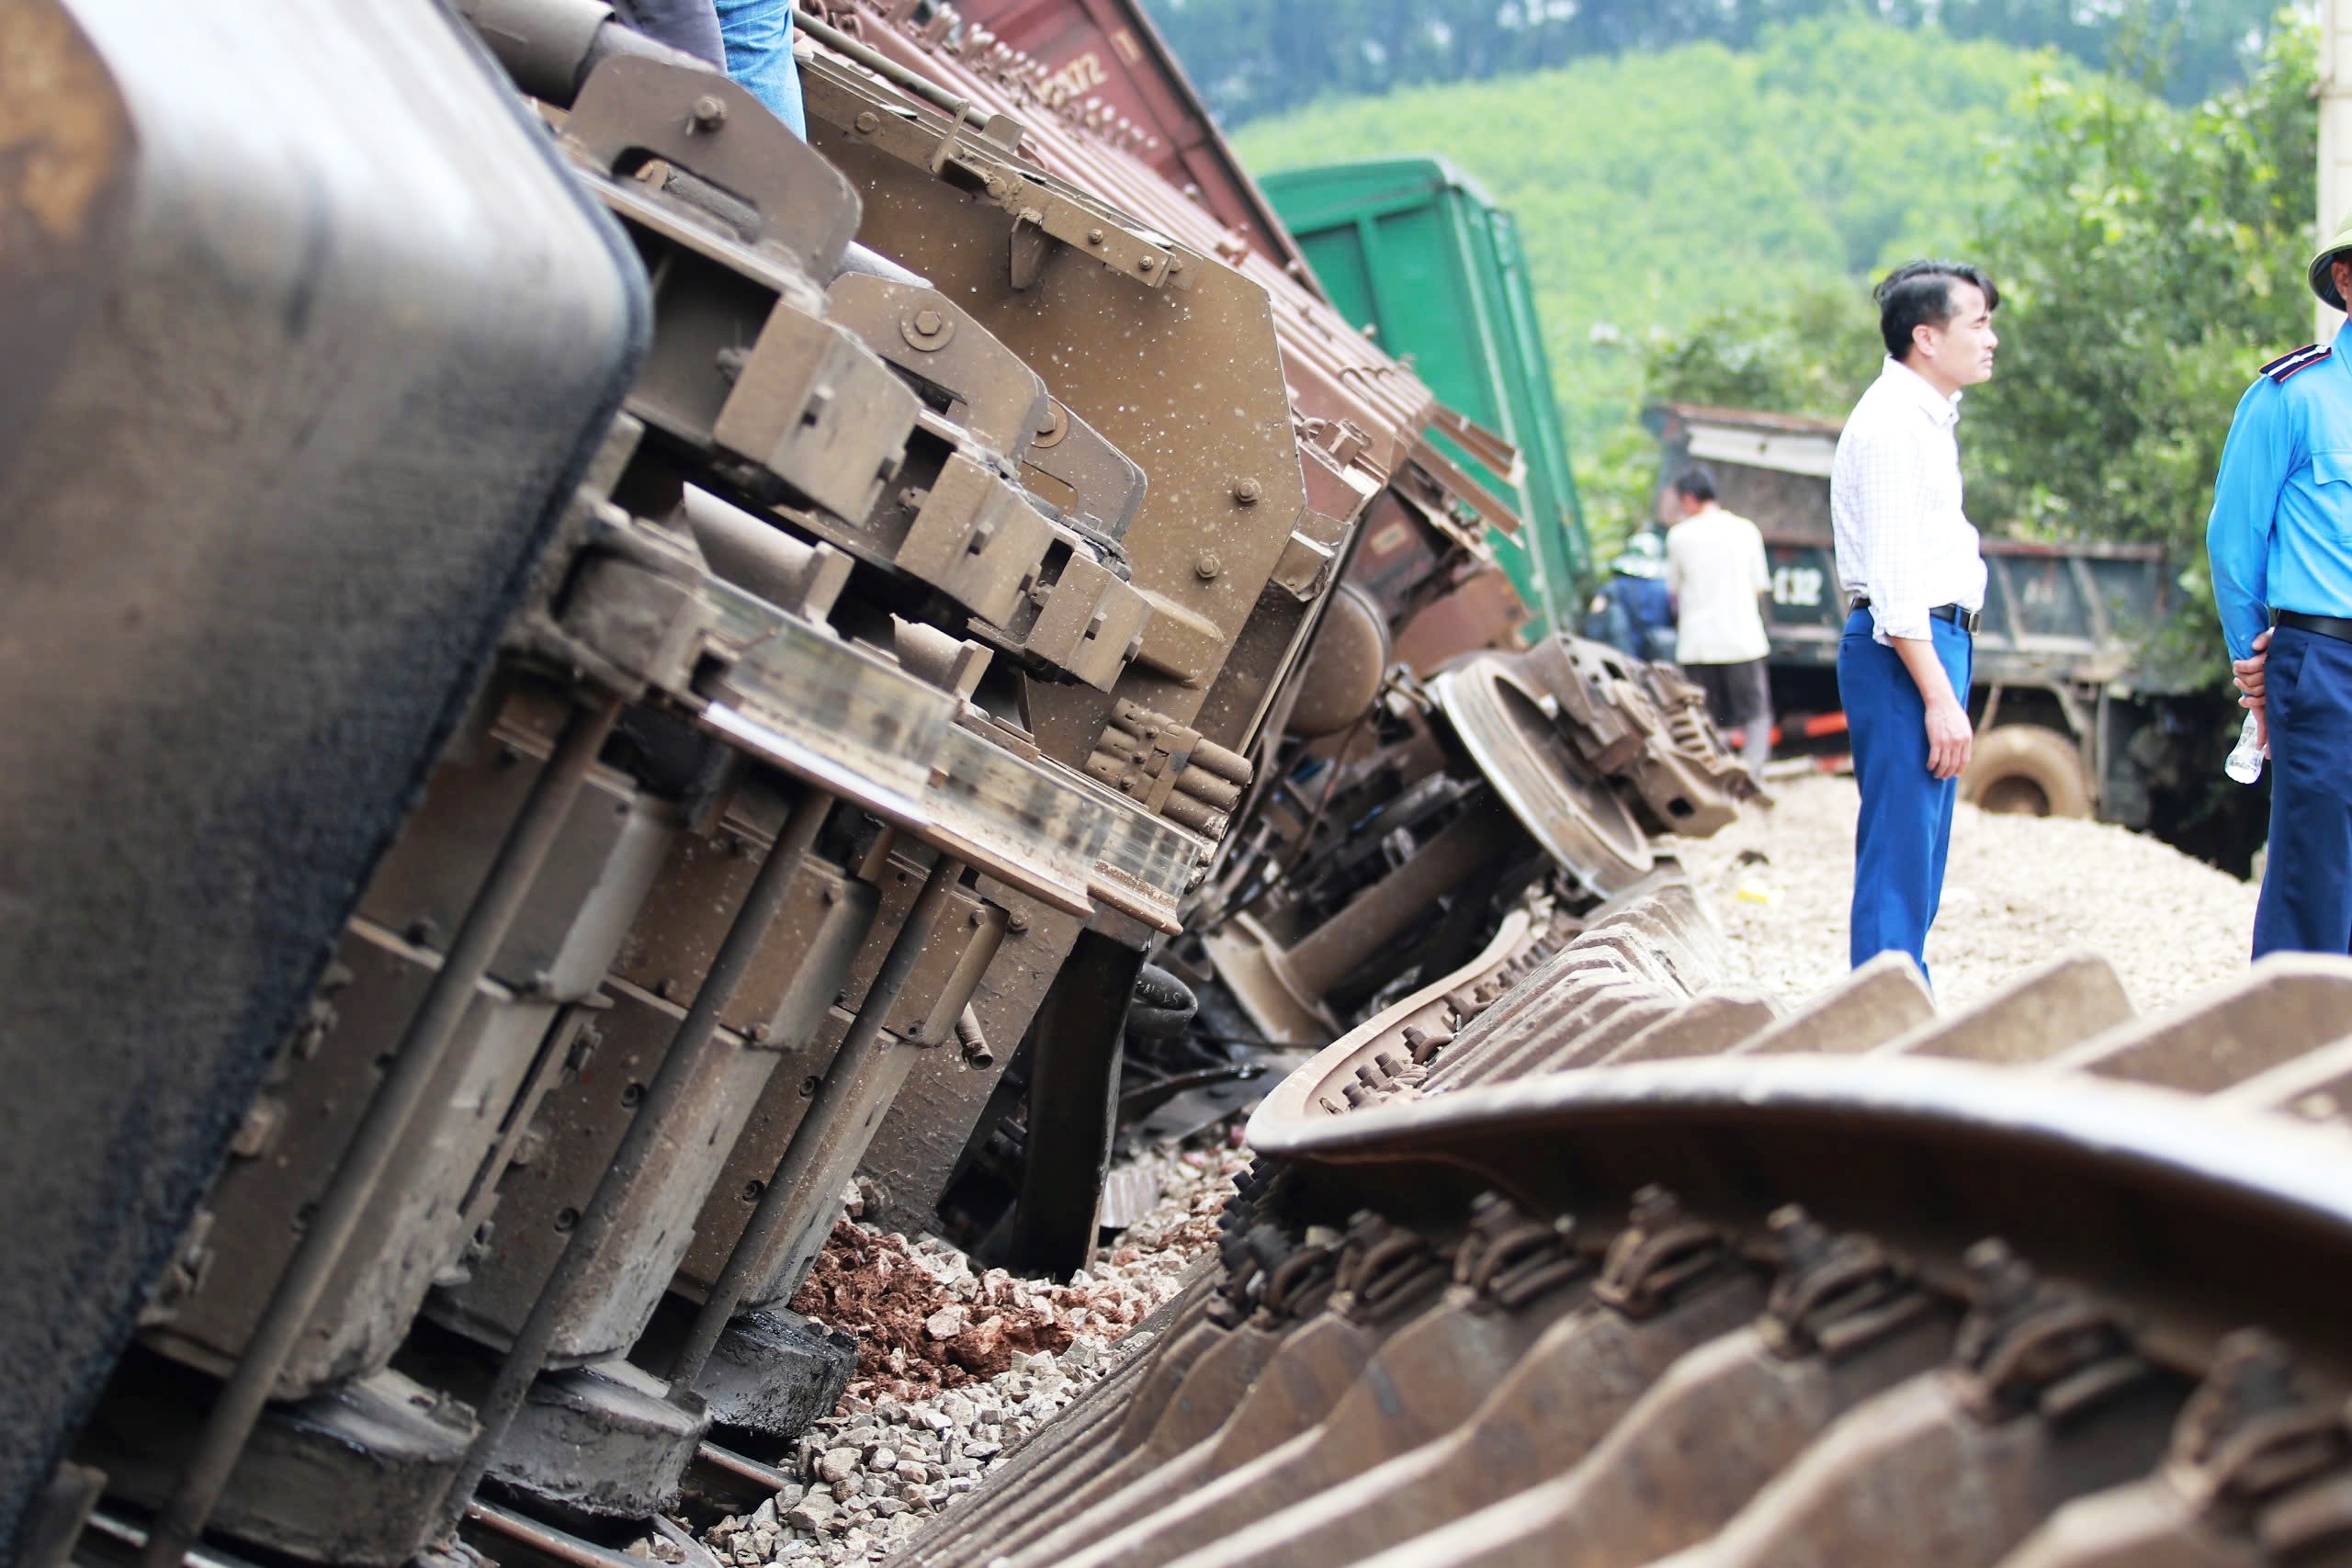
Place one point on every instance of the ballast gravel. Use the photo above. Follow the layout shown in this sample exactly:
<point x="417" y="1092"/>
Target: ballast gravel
<point x="956" y="1366"/>
<point x="2019" y="891"/>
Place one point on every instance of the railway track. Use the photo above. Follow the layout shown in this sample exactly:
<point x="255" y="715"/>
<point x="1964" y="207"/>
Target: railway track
<point x="1575" y="1258"/>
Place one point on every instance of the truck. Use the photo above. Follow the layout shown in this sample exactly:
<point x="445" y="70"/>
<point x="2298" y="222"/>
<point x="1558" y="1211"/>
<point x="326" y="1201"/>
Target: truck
<point x="2077" y="712"/>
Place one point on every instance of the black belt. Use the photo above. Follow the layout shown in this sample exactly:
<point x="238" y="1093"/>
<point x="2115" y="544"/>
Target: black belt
<point x="2336" y="626"/>
<point x="1969" y="620"/>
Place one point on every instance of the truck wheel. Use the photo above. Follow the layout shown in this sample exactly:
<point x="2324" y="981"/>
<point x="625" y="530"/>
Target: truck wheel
<point x="2026" y="770"/>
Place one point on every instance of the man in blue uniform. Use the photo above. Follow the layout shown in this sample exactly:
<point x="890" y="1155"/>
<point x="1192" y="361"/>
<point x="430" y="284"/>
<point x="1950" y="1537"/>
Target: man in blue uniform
<point x="2280" y="545"/>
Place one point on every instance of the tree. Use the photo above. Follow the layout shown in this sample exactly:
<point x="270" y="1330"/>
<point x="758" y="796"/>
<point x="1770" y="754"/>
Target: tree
<point x="1813" y="355"/>
<point x="2151" y="259"/>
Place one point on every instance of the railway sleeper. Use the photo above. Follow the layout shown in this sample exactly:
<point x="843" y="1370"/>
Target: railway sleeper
<point x="1732" y="1385"/>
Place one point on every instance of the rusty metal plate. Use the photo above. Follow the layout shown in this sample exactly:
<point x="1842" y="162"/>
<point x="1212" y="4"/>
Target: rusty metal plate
<point x="632" y="109"/>
<point x="542" y="1194"/>
<point x="295" y="1136"/>
<point x="1187" y="382"/>
<point x="829" y="712"/>
<point x="964" y="942"/>
<point x="610" y="851"/>
<point x="815" y="408"/>
<point x="992" y="392"/>
<point x="692" y="906"/>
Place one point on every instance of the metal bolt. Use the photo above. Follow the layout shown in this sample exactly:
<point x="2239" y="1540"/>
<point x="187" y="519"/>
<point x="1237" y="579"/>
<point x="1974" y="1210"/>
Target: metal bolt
<point x="759" y="1033"/>
<point x="997" y="185"/>
<point x="1094" y="236"/>
<point x="868" y="123"/>
<point x="1016" y="921"/>
<point x="928" y="322"/>
<point x="709" y="113"/>
<point x="1208" y="566"/>
<point x="1248" y="492"/>
<point x="1146" y="264"/>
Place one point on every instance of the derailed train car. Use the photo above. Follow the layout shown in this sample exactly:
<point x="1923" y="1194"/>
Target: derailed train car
<point x="582" y="669"/>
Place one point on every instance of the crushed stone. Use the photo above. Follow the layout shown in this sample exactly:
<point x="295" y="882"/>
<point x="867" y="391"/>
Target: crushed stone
<point x="2019" y="891"/>
<point x="956" y="1365"/>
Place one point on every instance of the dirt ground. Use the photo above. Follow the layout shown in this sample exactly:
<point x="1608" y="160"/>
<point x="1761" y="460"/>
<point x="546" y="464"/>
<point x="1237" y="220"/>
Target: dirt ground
<point x="2018" y="892"/>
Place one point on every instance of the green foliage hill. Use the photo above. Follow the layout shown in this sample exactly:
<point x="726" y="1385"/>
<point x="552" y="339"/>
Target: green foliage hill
<point x="1656" y="192"/>
<point x="1263" y="57"/>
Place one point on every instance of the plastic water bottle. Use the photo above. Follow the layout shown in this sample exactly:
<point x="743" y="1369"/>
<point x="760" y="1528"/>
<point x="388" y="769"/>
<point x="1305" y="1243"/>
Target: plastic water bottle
<point x="2245" y="763"/>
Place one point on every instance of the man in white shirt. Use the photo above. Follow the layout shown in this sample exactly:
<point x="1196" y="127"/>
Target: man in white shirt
<point x="1715" y="569"/>
<point x="1907" y="559"/>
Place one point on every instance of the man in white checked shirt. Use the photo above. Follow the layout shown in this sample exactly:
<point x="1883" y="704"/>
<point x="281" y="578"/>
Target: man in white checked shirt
<point x="1908" y="562"/>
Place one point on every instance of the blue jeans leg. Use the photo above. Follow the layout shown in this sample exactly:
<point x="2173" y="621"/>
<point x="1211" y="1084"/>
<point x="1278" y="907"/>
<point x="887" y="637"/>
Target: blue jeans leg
<point x="758" y="36"/>
<point x="2306" y="904"/>
<point x="1903" y="834"/>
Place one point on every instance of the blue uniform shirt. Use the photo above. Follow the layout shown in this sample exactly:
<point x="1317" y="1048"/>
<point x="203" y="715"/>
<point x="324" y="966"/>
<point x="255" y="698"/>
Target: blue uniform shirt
<point x="2280" y="536"/>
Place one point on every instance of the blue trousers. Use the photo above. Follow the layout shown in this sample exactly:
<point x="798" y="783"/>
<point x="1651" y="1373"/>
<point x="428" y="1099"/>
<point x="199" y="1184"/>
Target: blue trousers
<point x="2306" y="904"/>
<point x="1904" y="829"/>
<point x="758" y="36"/>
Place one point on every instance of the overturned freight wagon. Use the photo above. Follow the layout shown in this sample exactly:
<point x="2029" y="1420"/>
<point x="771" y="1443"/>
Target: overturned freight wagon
<point x="584" y="668"/>
<point x="1415" y="253"/>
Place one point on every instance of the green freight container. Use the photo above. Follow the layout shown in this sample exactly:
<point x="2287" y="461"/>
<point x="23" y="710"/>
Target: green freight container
<point x="1413" y="249"/>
